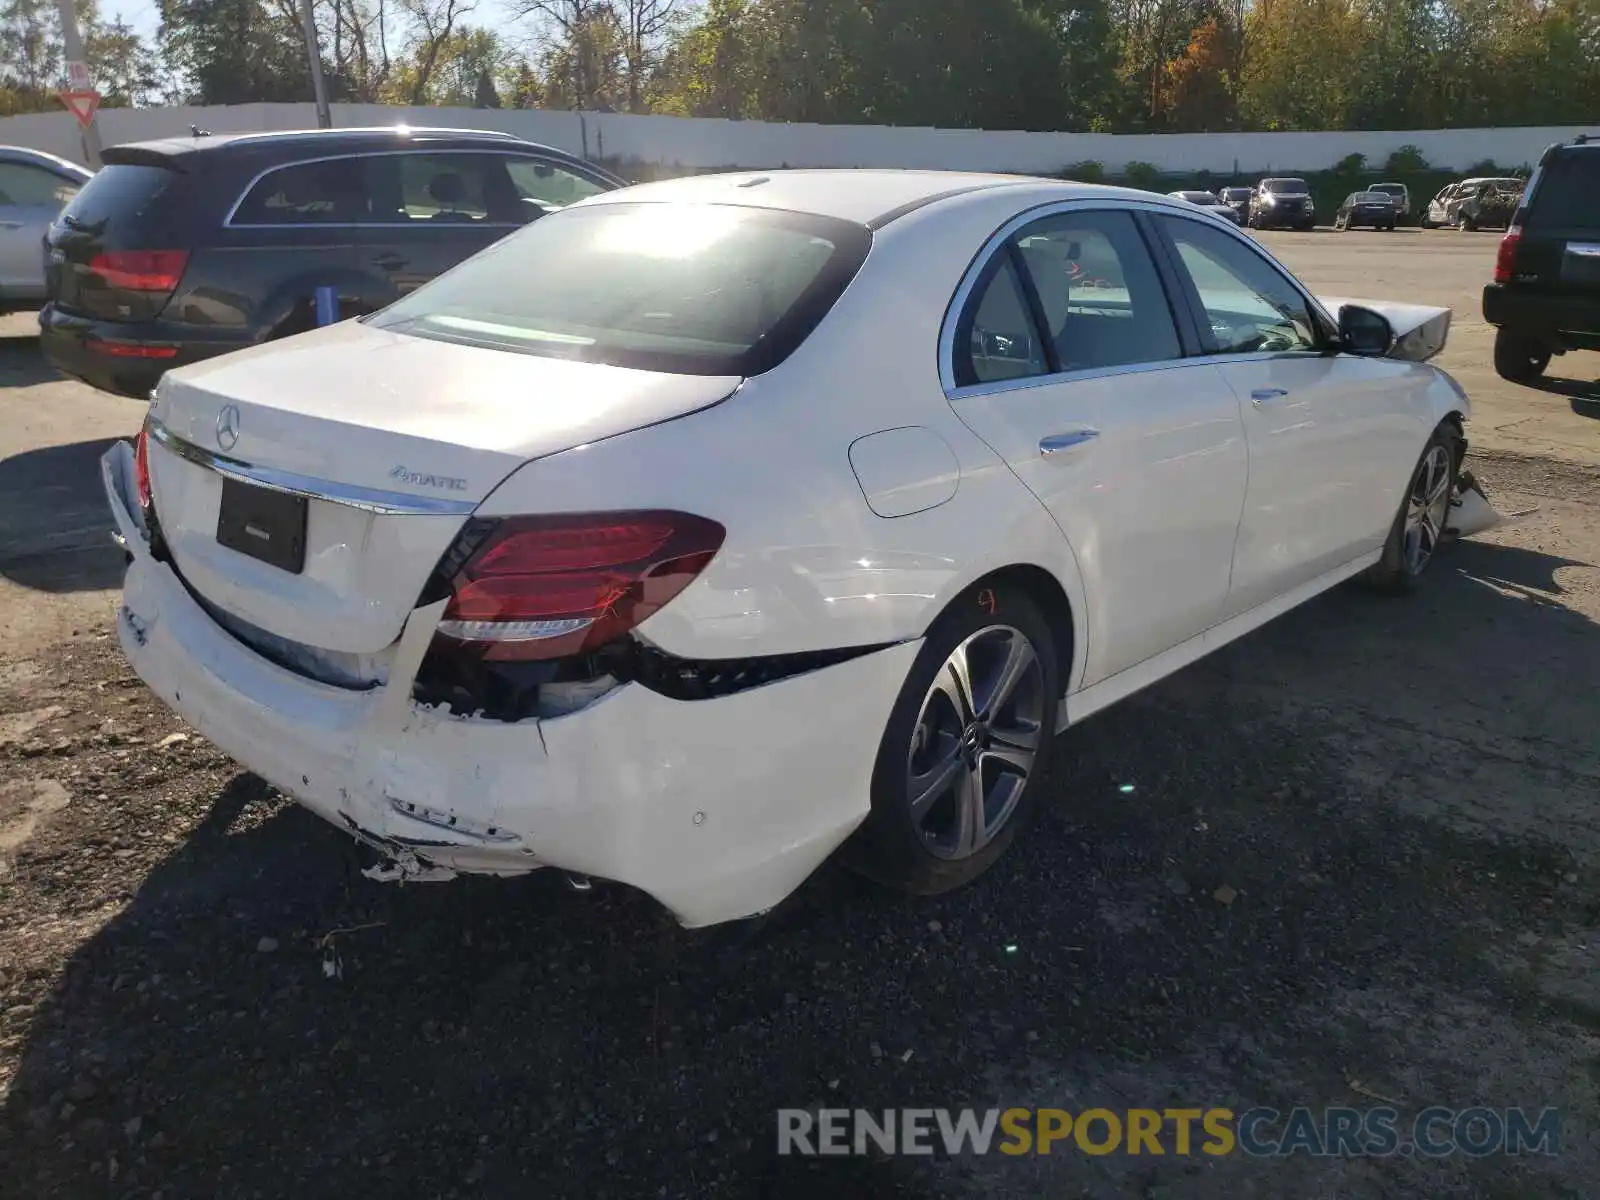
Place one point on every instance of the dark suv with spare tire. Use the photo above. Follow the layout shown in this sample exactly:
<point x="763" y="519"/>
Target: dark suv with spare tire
<point x="1545" y="298"/>
<point x="183" y="249"/>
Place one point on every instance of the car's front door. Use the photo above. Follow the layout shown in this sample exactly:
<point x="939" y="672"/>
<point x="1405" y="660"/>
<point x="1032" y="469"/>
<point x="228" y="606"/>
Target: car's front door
<point x="1332" y="436"/>
<point x="30" y="198"/>
<point x="1065" y="358"/>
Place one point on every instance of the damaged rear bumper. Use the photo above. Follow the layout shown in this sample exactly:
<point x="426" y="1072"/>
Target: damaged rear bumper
<point x="718" y="808"/>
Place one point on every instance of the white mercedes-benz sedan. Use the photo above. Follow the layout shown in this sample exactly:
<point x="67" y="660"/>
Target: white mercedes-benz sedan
<point x="706" y="527"/>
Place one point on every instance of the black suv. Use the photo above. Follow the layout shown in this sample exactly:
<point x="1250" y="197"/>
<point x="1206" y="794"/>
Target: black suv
<point x="1545" y="298"/>
<point x="186" y="248"/>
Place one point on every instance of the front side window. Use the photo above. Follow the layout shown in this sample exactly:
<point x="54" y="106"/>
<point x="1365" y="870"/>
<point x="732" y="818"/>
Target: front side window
<point x="1249" y="305"/>
<point x="326" y="192"/>
<point x="699" y="289"/>
<point x="33" y="187"/>
<point x="1101" y="299"/>
<point x="547" y="187"/>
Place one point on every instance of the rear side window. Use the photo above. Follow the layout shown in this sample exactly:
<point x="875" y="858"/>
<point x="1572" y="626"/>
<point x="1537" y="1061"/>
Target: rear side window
<point x="1101" y="299"/>
<point x="691" y="289"/>
<point x="33" y="187"/>
<point x="120" y="192"/>
<point x="1565" y="196"/>
<point x="314" y="193"/>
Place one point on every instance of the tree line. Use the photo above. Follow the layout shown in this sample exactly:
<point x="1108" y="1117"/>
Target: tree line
<point x="1095" y="65"/>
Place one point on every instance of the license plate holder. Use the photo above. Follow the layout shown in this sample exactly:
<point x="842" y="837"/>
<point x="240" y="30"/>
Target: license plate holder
<point x="266" y="525"/>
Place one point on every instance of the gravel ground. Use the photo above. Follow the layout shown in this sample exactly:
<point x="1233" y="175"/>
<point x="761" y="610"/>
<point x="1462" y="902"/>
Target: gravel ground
<point x="1358" y="860"/>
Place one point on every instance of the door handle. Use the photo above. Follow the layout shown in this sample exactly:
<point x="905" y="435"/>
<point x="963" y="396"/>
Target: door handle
<point x="1057" y="442"/>
<point x="1261" y="395"/>
<point x="390" y="262"/>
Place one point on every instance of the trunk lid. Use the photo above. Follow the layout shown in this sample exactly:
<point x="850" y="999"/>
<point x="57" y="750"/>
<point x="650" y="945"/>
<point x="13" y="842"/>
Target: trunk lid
<point x="392" y="439"/>
<point x="114" y="249"/>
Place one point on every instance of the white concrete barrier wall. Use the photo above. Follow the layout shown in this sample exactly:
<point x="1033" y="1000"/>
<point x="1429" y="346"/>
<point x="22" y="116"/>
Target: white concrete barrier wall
<point x="711" y="142"/>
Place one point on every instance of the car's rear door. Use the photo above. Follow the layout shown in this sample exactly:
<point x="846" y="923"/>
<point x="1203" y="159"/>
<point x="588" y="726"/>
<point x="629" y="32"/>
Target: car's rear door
<point x="1065" y="357"/>
<point x="1559" y="250"/>
<point x="1332" y="437"/>
<point x="30" y="198"/>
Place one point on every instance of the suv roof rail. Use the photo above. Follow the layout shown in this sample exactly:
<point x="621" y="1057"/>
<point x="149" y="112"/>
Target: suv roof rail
<point x="1581" y="139"/>
<point x="265" y="134"/>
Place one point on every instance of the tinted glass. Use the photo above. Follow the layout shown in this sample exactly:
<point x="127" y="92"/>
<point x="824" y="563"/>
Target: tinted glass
<point x="1565" y="195"/>
<point x="1236" y="193"/>
<point x="1250" y="306"/>
<point x="996" y="339"/>
<point x="1285" y="185"/>
<point x="1102" y="300"/>
<point x="21" y="184"/>
<point x="314" y="193"/>
<point x="548" y="186"/>
<point x="1388" y="189"/>
<point x="119" y="192"/>
<point x="696" y="289"/>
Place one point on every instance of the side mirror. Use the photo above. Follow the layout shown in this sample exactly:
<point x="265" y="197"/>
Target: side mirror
<point x="1365" y="332"/>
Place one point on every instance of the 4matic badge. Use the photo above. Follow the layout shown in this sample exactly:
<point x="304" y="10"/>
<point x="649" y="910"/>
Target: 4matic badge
<point x="405" y="475"/>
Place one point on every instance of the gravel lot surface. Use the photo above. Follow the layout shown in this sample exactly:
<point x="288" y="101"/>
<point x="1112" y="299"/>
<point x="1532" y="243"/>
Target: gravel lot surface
<point x="1357" y="864"/>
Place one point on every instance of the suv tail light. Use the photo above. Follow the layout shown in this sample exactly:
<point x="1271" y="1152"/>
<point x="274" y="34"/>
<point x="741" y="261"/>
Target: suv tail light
<point x="1505" y="260"/>
<point x="141" y="270"/>
<point x="546" y="587"/>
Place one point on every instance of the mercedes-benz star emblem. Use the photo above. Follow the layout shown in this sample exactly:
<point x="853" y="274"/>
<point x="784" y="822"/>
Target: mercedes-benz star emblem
<point x="228" y="426"/>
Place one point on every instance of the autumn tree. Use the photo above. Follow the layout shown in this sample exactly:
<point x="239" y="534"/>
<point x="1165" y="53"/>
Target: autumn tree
<point x="1198" y="89"/>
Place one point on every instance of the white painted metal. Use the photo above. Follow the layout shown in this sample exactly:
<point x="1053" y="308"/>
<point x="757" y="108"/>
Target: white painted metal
<point x="860" y="493"/>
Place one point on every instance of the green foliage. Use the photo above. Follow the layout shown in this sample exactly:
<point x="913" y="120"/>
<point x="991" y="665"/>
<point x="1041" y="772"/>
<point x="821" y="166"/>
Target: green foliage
<point x="1087" y="171"/>
<point x="1142" y="175"/>
<point x="1406" y="160"/>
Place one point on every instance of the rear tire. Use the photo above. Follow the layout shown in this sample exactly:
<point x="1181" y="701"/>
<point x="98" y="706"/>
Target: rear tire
<point x="977" y="751"/>
<point x="1519" y="358"/>
<point x="1419" y="526"/>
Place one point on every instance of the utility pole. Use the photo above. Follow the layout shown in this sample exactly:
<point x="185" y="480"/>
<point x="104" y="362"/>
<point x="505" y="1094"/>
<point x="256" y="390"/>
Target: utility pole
<point x="318" y="87"/>
<point x="72" y="43"/>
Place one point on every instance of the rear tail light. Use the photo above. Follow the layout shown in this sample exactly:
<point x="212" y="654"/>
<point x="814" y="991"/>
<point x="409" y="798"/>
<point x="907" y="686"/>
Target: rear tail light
<point x="141" y="466"/>
<point x="546" y="587"/>
<point x="1505" y="260"/>
<point x="141" y="270"/>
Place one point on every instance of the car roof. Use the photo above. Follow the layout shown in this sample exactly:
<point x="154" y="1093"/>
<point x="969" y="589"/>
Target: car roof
<point x="30" y="155"/>
<point x="375" y="137"/>
<point x="865" y="196"/>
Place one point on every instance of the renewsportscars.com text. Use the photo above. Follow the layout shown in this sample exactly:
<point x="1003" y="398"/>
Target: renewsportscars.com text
<point x="1257" y="1132"/>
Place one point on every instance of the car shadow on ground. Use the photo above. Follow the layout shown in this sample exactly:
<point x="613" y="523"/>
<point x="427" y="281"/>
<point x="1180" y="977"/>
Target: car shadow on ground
<point x="55" y="526"/>
<point x="21" y="363"/>
<point x="1584" y="394"/>
<point x="1240" y="893"/>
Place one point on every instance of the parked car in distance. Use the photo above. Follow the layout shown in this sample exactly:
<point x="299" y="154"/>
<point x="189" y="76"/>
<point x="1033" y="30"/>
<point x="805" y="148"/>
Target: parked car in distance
<point x="1474" y="204"/>
<point x="1401" y="194"/>
<point x="1238" y="199"/>
<point x="1545" y="296"/>
<point x="644" y="546"/>
<point x="187" y="248"/>
<point x="1208" y="201"/>
<point x="33" y="187"/>
<point x="1282" y="204"/>
<point x="1374" y="209"/>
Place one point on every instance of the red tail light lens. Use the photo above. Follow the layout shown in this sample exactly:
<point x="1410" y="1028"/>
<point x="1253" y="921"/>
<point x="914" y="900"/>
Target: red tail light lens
<point x="552" y="586"/>
<point x="141" y="270"/>
<point x="1505" y="260"/>
<point x="141" y="465"/>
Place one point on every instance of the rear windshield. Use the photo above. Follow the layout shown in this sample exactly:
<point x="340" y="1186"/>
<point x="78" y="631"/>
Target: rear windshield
<point x="1238" y="193"/>
<point x="696" y="289"/>
<point x="1279" y="186"/>
<point x="1198" y="197"/>
<point x="1389" y="189"/>
<point x="1564" y="197"/>
<point x="118" y="192"/>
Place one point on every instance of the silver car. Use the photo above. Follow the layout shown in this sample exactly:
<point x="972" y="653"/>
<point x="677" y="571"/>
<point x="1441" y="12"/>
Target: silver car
<point x="34" y="187"/>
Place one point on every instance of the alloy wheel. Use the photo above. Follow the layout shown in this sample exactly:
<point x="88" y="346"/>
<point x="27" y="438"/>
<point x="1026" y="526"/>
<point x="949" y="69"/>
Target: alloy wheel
<point x="975" y="742"/>
<point x="1426" y="509"/>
